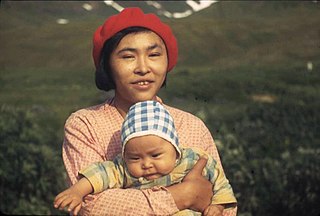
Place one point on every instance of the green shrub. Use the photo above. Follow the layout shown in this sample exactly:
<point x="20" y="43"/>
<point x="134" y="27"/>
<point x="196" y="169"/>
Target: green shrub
<point x="271" y="156"/>
<point x="31" y="171"/>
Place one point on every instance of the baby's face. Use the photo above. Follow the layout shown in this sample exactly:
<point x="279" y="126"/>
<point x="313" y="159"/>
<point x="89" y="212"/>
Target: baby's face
<point x="149" y="156"/>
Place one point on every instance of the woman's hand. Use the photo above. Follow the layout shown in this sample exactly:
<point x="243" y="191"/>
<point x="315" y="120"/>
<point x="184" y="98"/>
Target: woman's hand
<point x="214" y="210"/>
<point x="195" y="191"/>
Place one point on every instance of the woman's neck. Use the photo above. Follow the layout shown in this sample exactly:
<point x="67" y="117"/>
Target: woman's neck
<point x="122" y="106"/>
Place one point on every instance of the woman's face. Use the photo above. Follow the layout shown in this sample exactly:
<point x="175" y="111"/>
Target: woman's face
<point x="139" y="66"/>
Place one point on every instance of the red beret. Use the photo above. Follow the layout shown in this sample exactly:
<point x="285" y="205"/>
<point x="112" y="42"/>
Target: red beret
<point x="130" y="17"/>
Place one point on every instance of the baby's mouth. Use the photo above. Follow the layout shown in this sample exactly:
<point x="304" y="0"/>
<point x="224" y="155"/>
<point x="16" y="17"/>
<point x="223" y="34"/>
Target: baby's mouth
<point x="151" y="176"/>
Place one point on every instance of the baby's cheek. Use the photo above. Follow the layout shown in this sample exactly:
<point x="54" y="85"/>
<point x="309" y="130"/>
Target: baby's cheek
<point x="167" y="166"/>
<point x="134" y="171"/>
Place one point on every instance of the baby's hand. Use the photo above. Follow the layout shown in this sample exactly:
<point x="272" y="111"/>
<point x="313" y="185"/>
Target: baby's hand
<point x="213" y="210"/>
<point x="70" y="199"/>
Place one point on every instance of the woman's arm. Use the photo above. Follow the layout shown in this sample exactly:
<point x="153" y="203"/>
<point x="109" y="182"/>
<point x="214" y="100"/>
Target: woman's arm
<point x="212" y="150"/>
<point x="192" y="132"/>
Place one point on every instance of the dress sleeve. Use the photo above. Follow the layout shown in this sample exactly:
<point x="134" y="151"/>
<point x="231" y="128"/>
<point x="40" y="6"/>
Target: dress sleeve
<point x="81" y="148"/>
<point x="210" y="147"/>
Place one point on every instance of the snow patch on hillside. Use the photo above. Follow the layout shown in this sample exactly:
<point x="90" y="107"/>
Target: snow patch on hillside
<point x="194" y="6"/>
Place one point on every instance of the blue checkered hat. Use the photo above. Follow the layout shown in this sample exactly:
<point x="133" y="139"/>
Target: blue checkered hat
<point x="149" y="118"/>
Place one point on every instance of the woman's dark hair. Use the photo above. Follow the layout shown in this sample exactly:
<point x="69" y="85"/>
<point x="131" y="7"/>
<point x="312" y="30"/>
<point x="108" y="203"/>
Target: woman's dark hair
<point x="103" y="76"/>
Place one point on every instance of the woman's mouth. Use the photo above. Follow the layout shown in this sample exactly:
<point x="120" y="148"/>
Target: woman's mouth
<point x="142" y="84"/>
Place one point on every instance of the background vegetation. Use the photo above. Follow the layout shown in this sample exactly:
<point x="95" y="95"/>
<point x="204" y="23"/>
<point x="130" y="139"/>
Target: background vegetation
<point x="250" y="70"/>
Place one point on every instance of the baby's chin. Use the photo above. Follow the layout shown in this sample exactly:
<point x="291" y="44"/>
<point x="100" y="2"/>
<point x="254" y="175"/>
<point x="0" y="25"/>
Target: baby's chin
<point x="152" y="176"/>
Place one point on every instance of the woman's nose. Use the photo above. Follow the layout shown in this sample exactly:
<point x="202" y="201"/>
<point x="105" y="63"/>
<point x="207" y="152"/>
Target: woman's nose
<point x="142" y="66"/>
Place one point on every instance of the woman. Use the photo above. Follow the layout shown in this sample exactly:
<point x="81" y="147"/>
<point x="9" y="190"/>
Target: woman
<point x="133" y="52"/>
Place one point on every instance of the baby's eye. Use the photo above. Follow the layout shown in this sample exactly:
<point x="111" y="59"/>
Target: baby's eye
<point x="156" y="155"/>
<point x="134" y="158"/>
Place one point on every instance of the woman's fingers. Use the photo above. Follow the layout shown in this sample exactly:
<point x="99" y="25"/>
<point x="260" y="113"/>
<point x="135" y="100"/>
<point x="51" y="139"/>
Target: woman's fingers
<point x="198" y="167"/>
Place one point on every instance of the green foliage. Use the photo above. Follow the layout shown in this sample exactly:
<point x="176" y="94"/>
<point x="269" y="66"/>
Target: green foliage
<point x="271" y="156"/>
<point x="31" y="170"/>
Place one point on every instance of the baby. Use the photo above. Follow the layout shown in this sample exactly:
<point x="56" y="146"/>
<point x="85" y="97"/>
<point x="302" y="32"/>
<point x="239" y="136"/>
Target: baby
<point x="151" y="157"/>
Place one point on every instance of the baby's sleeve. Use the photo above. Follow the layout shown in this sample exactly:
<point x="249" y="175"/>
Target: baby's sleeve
<point x="222" y="190"/>
<point x="104" y="175"/>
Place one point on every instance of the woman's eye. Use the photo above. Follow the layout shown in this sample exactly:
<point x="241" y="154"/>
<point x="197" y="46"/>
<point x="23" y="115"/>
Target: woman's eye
<point x="155" y="54"/>
<point x="127" y="56"/>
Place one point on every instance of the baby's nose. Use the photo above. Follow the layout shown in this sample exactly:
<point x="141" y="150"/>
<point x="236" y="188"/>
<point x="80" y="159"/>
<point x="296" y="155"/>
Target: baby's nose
<point x="146" y="164"/>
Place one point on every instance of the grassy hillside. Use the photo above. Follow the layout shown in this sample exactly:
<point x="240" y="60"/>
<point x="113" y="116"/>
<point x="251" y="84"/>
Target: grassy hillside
<point x="262" y="33"/>
<point x="38" y="55"/>
<point x="250" y="70"/>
